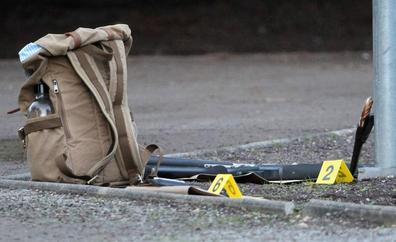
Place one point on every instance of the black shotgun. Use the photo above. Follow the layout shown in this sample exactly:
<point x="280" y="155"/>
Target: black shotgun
<point x="184" y="168"/>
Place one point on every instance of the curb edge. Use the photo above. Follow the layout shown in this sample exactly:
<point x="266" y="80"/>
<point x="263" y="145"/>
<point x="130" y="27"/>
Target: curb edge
<point x="271" y="206"/>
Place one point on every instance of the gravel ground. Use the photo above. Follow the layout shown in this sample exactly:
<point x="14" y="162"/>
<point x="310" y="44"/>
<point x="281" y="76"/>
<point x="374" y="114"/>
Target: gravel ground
<point x="381" y="191"/>
<point x="302" y="150"/>
<point x="37" y="216"/>
<point x="312" y="150"/>
<point x="309" y="149"/>
<point x="377" y="191"/>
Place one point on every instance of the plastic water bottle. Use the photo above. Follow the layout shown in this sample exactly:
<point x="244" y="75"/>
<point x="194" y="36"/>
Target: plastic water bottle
<point x="41" y="106"/>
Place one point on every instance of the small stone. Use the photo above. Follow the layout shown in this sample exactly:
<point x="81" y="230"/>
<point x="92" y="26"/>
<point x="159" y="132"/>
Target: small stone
<point x="306" y="219"/>
<point x="303" y="225"/>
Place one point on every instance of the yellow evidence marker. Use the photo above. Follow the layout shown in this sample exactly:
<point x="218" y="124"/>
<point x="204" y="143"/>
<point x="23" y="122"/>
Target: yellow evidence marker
<point x="334" y="171"/>
<point x="227" y="182"/>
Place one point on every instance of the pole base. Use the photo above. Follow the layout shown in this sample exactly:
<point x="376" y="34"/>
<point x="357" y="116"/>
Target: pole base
<point x="374" y="172"/>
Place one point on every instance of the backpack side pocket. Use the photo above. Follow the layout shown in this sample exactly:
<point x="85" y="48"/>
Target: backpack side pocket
<point x="44" y="138"/>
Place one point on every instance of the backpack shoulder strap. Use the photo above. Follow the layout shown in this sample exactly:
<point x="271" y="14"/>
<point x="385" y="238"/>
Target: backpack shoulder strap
<point x="127" y="138"/>
<point x="85" y="69"/>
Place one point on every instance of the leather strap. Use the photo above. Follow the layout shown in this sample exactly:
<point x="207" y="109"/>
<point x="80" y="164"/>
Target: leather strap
<point x="104" y="95"/>
<point x="97" y="53"/>
<point x="127" y="144"/>
<point x="37" y="124"/>
<point x="13" y="111"/>
<point x="76" y="37"/>
<point x="110" y="35"/>
<point x="119" y="74"/>
<point x="128" y="45"/>
<point x="152" y="148"/>
<point x="93" y="79"/>
<point x="85" y="71"/>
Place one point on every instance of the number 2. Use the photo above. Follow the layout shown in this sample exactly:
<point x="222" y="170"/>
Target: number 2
<point x="329" y="170"/>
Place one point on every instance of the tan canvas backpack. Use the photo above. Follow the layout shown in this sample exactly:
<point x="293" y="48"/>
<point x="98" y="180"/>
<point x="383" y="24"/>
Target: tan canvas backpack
<point x="91" y="136"/>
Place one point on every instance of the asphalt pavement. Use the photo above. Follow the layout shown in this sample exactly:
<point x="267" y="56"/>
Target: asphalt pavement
<point x="186" y="103"/>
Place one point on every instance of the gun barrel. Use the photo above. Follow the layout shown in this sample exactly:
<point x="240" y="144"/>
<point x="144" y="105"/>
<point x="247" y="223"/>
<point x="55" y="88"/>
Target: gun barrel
<point x="170" y="161"/>
<point x="187" y="171"/>
<point x="184" y="168"/>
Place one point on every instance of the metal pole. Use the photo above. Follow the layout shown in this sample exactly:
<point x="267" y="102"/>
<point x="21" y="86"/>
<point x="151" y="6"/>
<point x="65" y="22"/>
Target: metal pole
<point x="384" y="59"/>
